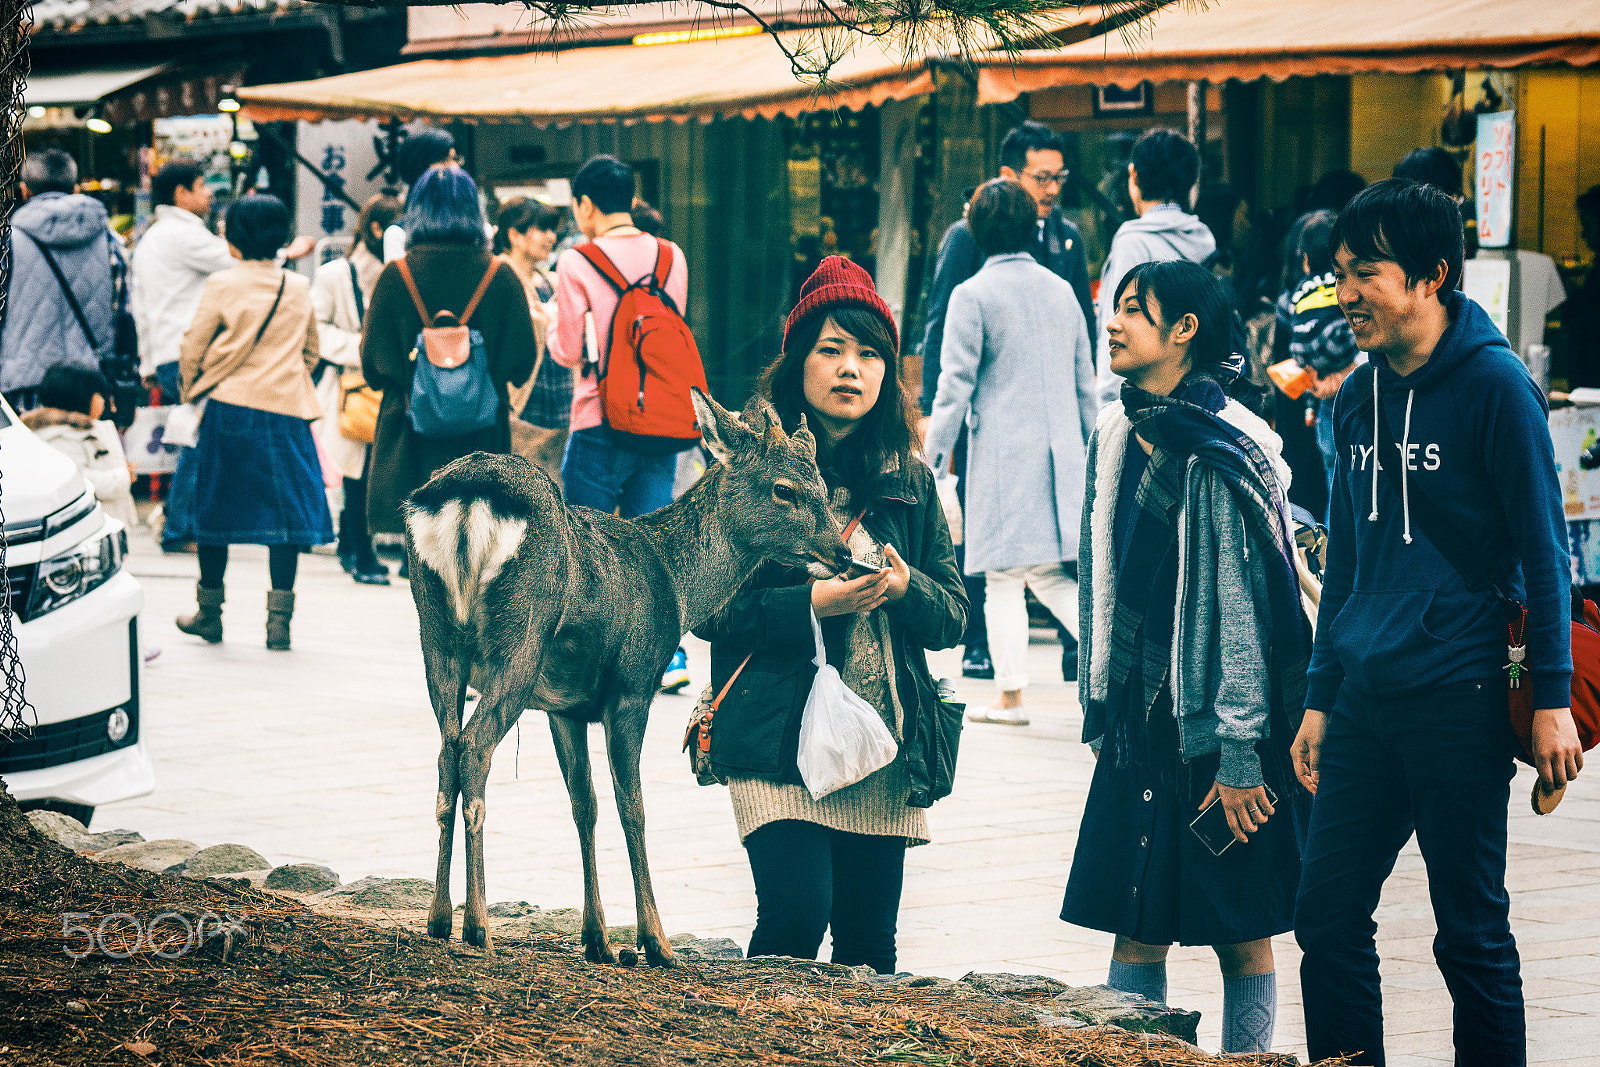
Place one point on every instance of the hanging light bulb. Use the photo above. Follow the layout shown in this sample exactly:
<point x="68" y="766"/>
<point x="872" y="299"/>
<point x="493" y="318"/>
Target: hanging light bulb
<point x="98" y="125"/>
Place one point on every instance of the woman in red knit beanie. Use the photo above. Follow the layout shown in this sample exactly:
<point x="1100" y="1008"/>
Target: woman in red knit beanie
<point x="838" y="862"/>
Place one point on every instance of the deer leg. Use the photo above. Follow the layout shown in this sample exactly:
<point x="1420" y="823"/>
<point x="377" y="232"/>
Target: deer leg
<point x="572" y="751"/>
<point x="624" y="738"/>
<point x="447" y="701"/>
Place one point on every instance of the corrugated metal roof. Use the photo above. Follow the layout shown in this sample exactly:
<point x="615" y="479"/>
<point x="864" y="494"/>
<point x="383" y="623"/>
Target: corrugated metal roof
<point x="66" y="16"/>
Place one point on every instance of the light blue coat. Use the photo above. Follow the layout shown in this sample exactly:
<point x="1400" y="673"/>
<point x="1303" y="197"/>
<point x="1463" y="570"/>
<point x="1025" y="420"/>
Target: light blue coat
<point x="1017" y="366"/>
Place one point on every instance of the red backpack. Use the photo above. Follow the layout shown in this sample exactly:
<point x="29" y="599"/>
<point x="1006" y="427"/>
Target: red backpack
<point x="650" y="363"/>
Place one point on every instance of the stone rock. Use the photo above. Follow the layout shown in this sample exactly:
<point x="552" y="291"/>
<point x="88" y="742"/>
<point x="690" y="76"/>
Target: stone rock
<point x="394" y="893"/>
<point x="110" y="839"/>
<point x="302" y="878"/>
<point x="861" y="973"/>
<point x="907" y="980"/>
<point x="536" y="922"/>
<point x="257" y="879"/>
<point x="511" y="909"/>
<point x="152" y="855"/>
<point x="1103" y="1006"/>
<point x="715" y="948"/>
<point x="224" y="859"/>
<point x="621" y="936"/>
<point x="64" y="830"/>
<point x="1011" y="985"/>
<point x="350" y="889"/>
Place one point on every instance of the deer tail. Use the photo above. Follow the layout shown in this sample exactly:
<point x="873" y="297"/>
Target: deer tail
<point x="466" y="544"/>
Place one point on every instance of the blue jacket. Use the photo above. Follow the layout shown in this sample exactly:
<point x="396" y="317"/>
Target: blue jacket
<point x="1397" y="617"/>
<point x="40" y="330"/>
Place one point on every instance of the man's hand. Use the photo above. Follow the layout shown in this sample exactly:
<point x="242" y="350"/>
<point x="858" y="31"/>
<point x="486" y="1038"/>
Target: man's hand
<point x="1307" y="748"/>
<point x="899" y="574"/>
<point x="1247" y="808"/>
<point x="1557" y="755"/>
<point x="840" y="596"/>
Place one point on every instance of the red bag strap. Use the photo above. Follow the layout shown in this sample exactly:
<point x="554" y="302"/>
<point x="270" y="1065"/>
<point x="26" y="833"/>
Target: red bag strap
<point x="663" y="263"/>
<point x="850" y="529"/>
<point x="416" y="297"/>
<point x="483" y="287"/>
<point x="602" y="263"/>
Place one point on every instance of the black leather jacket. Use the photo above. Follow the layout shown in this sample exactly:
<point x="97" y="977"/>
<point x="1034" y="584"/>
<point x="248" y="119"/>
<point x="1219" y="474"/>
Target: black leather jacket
<point x="756" y="730"/>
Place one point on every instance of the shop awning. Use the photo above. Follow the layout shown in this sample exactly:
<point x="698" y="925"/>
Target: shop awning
<point x="86" y="85"/>
<point x="1250" y="39"/>
<point x="728" y="76"/>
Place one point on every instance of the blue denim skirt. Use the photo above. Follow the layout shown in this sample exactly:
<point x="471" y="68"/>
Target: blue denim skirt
<point x="259" y="480"/>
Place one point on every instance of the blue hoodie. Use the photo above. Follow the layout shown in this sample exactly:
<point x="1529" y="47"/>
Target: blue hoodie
<point x="1395" y="617"/>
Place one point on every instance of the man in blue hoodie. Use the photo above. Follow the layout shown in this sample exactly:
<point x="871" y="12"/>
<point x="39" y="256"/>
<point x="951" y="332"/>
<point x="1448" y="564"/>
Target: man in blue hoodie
<point x="1406" y="726"/>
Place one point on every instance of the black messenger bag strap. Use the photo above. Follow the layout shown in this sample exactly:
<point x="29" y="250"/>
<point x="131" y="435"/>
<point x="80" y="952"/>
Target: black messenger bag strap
<point x="66" y="291"/>
<point x="1480" y="566"/>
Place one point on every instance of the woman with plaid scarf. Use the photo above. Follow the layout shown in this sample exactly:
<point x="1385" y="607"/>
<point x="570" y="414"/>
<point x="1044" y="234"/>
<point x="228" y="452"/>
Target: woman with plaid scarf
<point x="1193" y="653"/>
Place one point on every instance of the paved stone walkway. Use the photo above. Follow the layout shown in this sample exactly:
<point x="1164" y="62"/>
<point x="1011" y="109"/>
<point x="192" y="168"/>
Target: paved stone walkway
<point x="327" y="754"/>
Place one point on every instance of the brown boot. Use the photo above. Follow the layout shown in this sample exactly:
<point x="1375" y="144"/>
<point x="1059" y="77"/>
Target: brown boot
<point x="206" y="622"/>
<point x="280" y="609"/>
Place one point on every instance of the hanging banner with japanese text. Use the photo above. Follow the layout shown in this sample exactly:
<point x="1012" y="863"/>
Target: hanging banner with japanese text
<point x="348" y="154"/>
<point x="1494" y="154"/>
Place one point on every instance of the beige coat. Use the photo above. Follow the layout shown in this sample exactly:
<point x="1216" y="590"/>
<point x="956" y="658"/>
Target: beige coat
<point x="339" y="334"/>
<point x="274" y="375"/>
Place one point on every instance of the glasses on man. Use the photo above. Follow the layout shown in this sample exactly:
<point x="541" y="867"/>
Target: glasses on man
<point x="1046" y="179"/>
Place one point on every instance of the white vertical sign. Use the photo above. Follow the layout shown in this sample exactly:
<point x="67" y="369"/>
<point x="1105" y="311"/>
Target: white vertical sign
<point x="1495" y="154"/>
<point x="348" y="153"/>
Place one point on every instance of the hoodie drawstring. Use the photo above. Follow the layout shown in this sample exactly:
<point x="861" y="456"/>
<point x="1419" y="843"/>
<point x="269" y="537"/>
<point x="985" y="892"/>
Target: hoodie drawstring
<point x="1405" y="452"/>
<point x="1405" y="448"/>
<point x="1374" y="516"/>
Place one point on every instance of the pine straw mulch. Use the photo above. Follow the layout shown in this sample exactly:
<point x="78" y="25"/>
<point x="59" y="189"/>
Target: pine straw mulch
<point x="297" y="987"/>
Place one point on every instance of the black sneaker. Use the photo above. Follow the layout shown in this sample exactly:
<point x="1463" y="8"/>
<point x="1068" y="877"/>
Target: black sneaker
<point x="976" y="663"/>
<point x="1069" y="657"/>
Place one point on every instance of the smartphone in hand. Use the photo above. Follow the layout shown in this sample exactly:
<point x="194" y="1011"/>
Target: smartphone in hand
<point x="860" y="568"/>
<point x="1211" y="825"/>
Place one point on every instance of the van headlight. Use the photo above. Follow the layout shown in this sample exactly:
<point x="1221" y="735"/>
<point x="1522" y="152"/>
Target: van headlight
<point x="62" y="579"/>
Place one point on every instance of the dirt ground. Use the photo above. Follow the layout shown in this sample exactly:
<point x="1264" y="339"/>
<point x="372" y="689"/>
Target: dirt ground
<point x="271" y="980"/>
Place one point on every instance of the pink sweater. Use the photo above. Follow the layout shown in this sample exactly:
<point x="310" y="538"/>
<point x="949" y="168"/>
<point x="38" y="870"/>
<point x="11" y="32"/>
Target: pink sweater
<point x="580" y="288"/>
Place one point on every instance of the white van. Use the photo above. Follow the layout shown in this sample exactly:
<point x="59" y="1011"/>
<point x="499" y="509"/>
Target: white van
<point x="75" y="612"/>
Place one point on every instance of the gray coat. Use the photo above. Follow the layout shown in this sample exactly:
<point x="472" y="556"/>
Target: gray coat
<point x="41" y="330"/>
<point x="1017" y="365"/>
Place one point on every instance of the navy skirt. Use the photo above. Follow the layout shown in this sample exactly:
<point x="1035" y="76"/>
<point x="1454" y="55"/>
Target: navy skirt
<point x="259" y="480"/>
<point x="1140" y="872"/>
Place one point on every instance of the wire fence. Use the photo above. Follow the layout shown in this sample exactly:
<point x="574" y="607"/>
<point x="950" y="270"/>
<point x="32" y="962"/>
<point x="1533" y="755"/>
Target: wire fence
<point x="15" y="711"/>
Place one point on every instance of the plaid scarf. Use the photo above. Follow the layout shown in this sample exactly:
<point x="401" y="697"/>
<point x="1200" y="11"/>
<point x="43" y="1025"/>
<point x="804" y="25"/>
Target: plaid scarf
<point x="1177" y="427"/>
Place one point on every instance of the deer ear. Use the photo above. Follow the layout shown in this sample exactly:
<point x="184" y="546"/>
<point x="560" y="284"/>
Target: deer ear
<point x="724" y="434"/>
<point x="802" y="437"/>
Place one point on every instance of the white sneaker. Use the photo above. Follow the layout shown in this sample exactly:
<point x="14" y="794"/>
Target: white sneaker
<point x="999" y="716"/>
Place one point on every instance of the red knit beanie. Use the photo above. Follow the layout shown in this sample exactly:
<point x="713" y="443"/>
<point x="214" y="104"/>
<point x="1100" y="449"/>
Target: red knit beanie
<point x="837" y="282"/>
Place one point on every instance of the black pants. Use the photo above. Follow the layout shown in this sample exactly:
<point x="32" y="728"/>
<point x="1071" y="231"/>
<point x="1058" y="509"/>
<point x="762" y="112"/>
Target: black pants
<point x="977" y="632"/>
<point x="1438" y="764"/>
<point x="809" y="878"/>
<point x="283" y="563"/>
<point x="353" y="536"/>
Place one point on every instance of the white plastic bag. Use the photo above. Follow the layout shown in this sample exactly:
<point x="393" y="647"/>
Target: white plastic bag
<point x="842" y="737"/>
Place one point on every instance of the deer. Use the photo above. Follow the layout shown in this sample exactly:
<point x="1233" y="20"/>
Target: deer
<point x="576" y="613"/>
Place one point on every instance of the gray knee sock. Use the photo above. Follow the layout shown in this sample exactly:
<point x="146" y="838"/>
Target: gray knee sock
<point x="1249" y="1009"/>
<point x="1148" y="980"/>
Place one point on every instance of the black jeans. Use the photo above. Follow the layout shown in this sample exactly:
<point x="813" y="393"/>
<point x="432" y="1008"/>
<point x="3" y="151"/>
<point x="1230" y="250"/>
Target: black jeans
<point x="1439" y="763"/>
<point x="809" y="878"/>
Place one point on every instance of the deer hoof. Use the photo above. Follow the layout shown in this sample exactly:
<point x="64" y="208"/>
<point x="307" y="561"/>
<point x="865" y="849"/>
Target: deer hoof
<point x="627" y="957"/>
<point x="441" y="928"/>
<point x="476" y="936"/>
<point x="598" y="950"/>
<point x="658" y="954"/>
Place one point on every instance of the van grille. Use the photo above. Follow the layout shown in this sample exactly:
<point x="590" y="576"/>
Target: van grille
<point x="57" y="743"/>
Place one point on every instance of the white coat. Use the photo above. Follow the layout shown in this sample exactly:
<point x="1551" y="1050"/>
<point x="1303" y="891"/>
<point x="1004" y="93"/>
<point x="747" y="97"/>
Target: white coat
<point x="339" y="333"/>
<point x="96" y="450"/>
